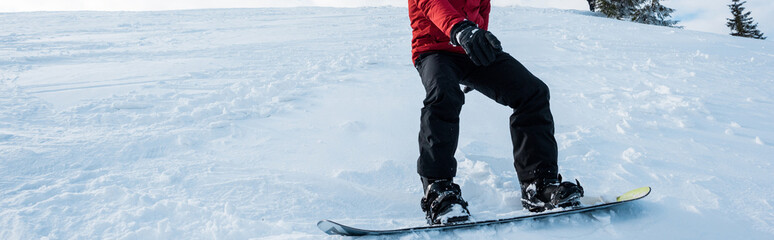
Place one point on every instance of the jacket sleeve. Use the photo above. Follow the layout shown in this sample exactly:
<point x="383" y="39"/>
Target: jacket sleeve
<point x="441" y="13"/>
<point x="486" y="6"/>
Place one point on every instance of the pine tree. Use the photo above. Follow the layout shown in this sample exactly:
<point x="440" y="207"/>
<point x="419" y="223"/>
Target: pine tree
<point x="592" y="4"/>
<point x="742" y="24"/>
<point x="637" y="10"/>
<point x="618" y="9"/>
<point x="608" y="8"/>
<point x="629" y="7"/>
<point x="654" y="14"/>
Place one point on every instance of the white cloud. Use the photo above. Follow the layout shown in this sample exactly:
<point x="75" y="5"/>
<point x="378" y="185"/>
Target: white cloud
<point x="711" y="15"/>
<point x="562" y="4"/>
<point x="140" y="5"/>
<point x="702" y="15"/>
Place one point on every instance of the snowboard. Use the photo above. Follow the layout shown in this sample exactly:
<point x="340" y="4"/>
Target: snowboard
<point x="587" y="204"/>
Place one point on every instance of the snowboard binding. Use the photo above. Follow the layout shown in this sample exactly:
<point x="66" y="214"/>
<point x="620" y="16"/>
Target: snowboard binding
<point x="547" y="194"/>
<point x="443" y="203"/>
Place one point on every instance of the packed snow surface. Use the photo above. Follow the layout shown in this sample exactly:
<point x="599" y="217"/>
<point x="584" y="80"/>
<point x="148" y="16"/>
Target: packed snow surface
<point x="257" y="123"/>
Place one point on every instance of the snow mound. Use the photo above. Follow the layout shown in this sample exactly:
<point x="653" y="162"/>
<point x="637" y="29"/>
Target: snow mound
<point x="257" y="123"/>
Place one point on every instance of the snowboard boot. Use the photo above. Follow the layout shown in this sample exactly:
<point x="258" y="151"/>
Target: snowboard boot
<point x="443" y="203"/>
<point x="546" y="194"/>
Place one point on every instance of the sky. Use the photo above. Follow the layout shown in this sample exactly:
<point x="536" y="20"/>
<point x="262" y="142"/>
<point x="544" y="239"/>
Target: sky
<point x="700" y="15"/>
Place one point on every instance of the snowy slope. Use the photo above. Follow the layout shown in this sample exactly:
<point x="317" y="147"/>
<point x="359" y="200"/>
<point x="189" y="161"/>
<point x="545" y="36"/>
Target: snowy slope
<point x="257" y="123"/>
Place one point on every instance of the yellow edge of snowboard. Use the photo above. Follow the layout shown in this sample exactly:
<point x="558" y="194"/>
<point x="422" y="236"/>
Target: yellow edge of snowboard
<point x="634" y="194"/>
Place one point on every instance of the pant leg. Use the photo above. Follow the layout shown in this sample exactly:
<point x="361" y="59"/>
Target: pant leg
<point x="532" y="126"/>
<point x="439" y="128"/>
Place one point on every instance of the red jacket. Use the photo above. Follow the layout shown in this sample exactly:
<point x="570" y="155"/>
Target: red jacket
<point x="432" y="21"/>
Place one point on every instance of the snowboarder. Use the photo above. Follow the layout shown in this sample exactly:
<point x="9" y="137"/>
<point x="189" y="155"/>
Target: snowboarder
<point x="451" y="46"/>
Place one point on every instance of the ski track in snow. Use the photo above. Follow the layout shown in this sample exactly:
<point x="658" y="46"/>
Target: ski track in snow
<point x="257" y="123"/>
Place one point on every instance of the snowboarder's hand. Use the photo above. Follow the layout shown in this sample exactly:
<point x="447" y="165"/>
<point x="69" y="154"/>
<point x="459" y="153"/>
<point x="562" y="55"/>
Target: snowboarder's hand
<point x="480" y="45"/>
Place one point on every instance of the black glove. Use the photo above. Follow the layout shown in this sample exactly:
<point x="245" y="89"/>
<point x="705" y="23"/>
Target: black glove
<point x="480" y="45"/>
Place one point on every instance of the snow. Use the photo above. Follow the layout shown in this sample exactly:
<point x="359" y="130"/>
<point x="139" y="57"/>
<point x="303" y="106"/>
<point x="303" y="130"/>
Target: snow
<point x="257" y="123"/>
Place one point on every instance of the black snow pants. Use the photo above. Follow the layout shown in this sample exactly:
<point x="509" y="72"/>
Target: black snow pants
<point x="507" y="82"/>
